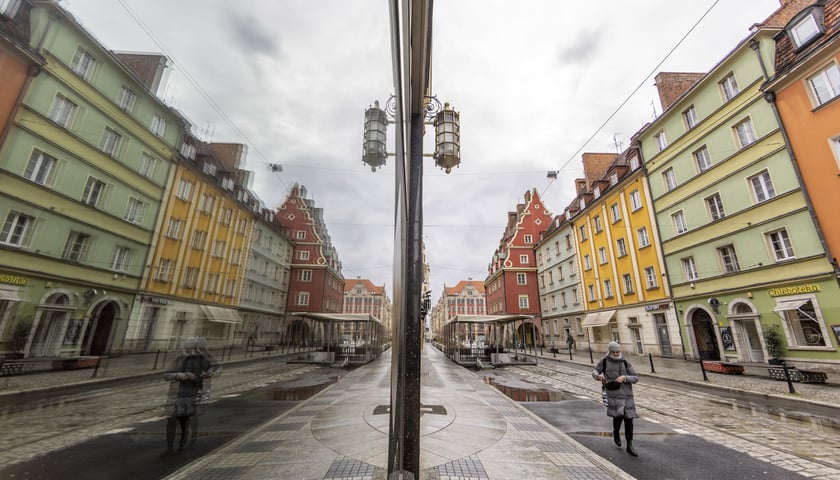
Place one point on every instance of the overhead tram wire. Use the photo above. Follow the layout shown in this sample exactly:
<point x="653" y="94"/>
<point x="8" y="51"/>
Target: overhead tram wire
<point x="201" y="90"/>
<point x="639" y="86"/>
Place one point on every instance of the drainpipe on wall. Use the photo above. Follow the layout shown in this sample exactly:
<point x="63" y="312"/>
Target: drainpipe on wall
<point x="770" y="97"/>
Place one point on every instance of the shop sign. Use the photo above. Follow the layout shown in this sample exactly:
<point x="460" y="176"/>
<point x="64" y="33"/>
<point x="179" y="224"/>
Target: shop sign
<point x="155" y="300"/>
<point x="661" y="306"/>
<point x="13" y="280"/>
<point x="794" y="290"/>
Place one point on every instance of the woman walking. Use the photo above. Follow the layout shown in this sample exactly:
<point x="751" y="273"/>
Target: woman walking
<point x="617" y="376"/>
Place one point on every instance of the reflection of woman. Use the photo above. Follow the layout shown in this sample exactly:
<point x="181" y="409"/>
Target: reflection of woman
<point x="618" y="376"/>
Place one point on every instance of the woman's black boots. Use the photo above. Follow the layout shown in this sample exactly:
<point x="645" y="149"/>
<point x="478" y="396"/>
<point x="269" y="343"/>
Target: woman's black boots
<point x="628" y="432"/>
<point x="616" y="430"/>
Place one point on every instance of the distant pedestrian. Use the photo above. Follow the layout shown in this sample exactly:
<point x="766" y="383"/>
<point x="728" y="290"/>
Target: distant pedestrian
<point x="186" y="376"/>
<point x="570" y="342"/>
<point x="203" y="396"/>
<point x="617" y="376"/>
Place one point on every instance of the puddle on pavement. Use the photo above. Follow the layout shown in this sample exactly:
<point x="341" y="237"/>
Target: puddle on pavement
<point x="521" y="394"/>
<point x="291" y="393"/>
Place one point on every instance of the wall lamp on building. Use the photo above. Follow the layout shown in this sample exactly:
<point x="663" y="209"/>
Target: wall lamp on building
<point x="447" y="123"/>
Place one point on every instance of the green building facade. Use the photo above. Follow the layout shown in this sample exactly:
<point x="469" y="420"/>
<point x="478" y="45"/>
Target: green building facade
<point x="743" y="255"/>
<point x="83" y="171"/>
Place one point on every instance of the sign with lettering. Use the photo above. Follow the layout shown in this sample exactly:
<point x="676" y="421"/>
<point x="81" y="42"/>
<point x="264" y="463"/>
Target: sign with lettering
<point x="155" y="300"/>
<point x="661" y="306"/>
<point x="794" y="290"/>
<point x="13" y="279"/>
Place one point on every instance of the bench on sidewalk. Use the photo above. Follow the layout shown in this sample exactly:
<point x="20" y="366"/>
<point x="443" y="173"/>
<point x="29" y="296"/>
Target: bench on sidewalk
<point x="8" y="368"/>
<point x="797" y="375"/>
<point x="723" y="367"/>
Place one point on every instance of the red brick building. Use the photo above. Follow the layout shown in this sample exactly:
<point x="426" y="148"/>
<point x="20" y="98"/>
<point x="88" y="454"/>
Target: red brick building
<point x="316" y="284"/>
<point x="511" y="283"/>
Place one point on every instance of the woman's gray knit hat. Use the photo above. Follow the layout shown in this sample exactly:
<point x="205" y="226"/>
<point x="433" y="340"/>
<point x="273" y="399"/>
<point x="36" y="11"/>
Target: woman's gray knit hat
<point x="614" y="347"/>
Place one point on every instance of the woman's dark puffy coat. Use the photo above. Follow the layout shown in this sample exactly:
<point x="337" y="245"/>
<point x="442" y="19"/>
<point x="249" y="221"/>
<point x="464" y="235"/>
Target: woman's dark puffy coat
<point x="620" y="402"/>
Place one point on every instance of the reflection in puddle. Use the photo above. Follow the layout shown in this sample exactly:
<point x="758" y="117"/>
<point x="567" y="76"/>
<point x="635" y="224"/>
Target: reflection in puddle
<point x="291" y="393"/>
<point x="530" y="394"/>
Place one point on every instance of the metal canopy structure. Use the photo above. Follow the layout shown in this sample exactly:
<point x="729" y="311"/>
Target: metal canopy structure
<point x="489" y="339"/>
<point x="354" y="337"/>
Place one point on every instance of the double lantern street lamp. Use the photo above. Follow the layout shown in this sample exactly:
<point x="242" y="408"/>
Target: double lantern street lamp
<point x="447" y="124"/>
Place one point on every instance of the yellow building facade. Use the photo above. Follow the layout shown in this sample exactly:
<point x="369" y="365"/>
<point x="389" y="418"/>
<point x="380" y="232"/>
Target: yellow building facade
<point x="626" y="296"/>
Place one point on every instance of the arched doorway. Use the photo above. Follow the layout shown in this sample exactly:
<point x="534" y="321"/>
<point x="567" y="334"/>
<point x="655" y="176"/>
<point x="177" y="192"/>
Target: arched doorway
<point x="98" y="332"/>
<point x="704" y="335"/>
<point x="298" y="332"/>
<point x="525" y="333"/>
<point x="50" y="325"/>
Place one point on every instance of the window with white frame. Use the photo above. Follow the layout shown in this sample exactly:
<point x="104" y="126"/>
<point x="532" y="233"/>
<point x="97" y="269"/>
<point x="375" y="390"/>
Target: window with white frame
<point x="17" y="229"/>
<point x="780" y="244"/>
<point x="303" y="298"/>
<point x="621" y="247"/>
<point x="300" y="235"/>
<point x="715" y="205"/>
<point x="303" y="255"/>
<point x="93" y="191"/>
<point x="575" y="296"/>
<point x="306" y="275"/>
<point x="805" y="325"/>
<point x="134" y="210"/>
<point x="661" y="141"/>
<point x="669" y="178"/>
<point x="8" y="8"/>
<point x="627" y="280"/>
<point x="587" y="263"/>
<point x="729" y="87"/>
<point x="126" y="99"/>
<point x="185" y="188"/>
<point x="650" y="277"/>
<point x="597" y="221"/>
<point x="762" y="186"/>
<point x="805" y="29"/>
<point x="146" y="166"/>
<point x="75" y="248"/>
<point x="634" y="162"/>
<point x="563" y="302"/>
<point x="521" y="279"/>
<point x="173" y="228"/>
<point x="745" y="133"/>
<point x="615" y="212"/>
<point x="219" y="248"/>
<point x="572" y="268"/>
<point x="591" y="289"/>
<point x="690" y="117"/>
<point x="678" y="220"/>
<point x="642" y="235"/>
<point x="523" y="259"/>
<point x="602" y="255"/>
<point x="164" y="270"/>
<point x="728" y="259"/>
<point x="702" y="159"/>
<point x="40" y="167"/>
<point x="62" y="111"/>
<point x="111" y="141"/>
<point x="83" y="63"/>
<point x="158" y="125"/>
<point x="119" y="262"/>
<point x="635" y="200"/>
<point x="529" y="239"/>
<point x="608" y="292"/>
<point x="826" y="84"/>
<point x="560" y="272"/>
<point x="226" y="216"/>
<point x="190" y="277"/>
<point x="523" y="301"/>
<point x="212" y="284"/>
<point x="235" y="256"/>
<point x="199" y="239"/>
<point x="206" y="203"/>
<point x="690" y="268"/>
<point x="550" y="277"/>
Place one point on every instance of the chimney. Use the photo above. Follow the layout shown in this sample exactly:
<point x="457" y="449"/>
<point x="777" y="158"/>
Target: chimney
<point x="150" y="68"/>
<point x="595" y="165"/>
<point x="580" y="185"/>
<point x="672" y="85"/>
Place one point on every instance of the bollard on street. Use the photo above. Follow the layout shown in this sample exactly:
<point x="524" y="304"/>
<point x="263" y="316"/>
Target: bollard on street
<point x="650" y="357"/>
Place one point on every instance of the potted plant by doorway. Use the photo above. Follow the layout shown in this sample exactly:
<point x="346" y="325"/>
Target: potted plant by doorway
<point x="775" y="345"/>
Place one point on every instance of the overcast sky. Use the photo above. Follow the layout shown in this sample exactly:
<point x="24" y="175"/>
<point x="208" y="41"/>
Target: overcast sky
<point x="534" y="81"/>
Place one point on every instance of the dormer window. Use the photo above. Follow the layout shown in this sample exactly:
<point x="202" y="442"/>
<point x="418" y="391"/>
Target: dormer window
<point x="806" y="26"/>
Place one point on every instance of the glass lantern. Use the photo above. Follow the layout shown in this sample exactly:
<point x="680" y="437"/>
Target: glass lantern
<point x="447" y="138"/>
<point x="373" y="146"/>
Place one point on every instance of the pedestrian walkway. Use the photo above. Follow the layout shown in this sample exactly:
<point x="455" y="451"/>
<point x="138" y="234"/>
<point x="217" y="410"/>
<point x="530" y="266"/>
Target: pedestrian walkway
<point x="469" y="430"/>
<point x="755" y="378"/>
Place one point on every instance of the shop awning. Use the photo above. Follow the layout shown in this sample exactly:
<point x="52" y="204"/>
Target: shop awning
<point x="10" y="296"/>
<point x="221" y="315"/>
<point x="783" y="305"/>
<point x="598" y="319"/>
